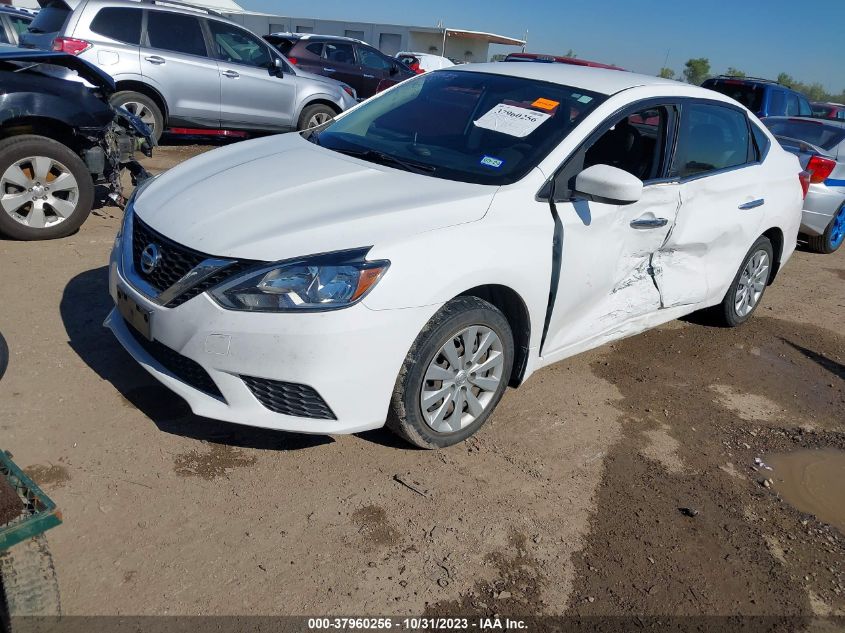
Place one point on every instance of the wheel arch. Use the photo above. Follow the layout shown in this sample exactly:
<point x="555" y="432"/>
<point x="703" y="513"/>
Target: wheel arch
<point x="516" y="312"/>
<point x="317" y="100"/>
<point x="775" y="236"/>
<point x="146" y="90"/>
<point x="42" y="126"/>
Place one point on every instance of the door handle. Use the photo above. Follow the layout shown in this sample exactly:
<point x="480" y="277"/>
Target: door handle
<point x="752" y="205"/>
<point x="369" y="76"/>
<point x="155" y="59"/>
<point x="329" y="70"/>
<point x="648" y="223"/>
<point x="231" y="74"/>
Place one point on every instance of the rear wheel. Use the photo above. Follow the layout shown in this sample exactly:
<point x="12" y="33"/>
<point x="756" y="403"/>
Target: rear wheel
<point x="454" y="374"/>
<point x="315" y="115"/>
<point x="833" y="236"/>
<point x="142" y="107"/>
<point x="46" y="190"/>
<point x="748" y="286"/>
<point x="4" y="356"/>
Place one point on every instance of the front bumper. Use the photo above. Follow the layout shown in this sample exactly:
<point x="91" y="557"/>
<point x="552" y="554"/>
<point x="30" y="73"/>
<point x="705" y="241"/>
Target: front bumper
<point x="350" y="357"/>
<point x="820" y="206"/>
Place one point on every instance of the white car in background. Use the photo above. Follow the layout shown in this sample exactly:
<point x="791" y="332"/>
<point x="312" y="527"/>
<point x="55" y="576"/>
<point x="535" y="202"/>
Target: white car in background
<point x="408" y="261"/>
<point x="423" y="62"/>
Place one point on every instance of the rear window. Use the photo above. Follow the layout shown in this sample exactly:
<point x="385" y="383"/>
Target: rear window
<point x="175" y="32"/>
<point x="282" y="45"/>
<point x="121" y="24"/>
<point x="50" y="19"/>
<point x="813" y="132"/>
<point x="749" y="95"/>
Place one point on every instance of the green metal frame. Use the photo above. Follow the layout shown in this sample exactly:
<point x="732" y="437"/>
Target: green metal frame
<point x="40" y="513"/>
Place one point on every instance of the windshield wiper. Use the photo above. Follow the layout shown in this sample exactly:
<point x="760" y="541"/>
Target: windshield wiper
<point x="381" y="158"/>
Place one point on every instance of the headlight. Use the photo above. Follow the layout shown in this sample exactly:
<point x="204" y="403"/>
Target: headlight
<point x="322" y="282"/>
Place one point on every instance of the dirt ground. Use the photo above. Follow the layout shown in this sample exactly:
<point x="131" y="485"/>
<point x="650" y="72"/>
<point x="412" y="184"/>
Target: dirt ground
<point x="620" y="482"/>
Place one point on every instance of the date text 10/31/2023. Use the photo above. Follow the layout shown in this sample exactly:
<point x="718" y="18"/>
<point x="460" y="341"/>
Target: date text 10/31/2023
<point x="415" y="624"/>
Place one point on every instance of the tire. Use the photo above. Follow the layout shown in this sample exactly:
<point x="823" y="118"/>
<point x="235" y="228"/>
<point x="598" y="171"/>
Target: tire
<point x="317" y="111"/>
<point x="465" y="321"/>
<point x="4" y="356"/>
<point x="833" y="236"/>
<point x="27" y="222"/>
<point x="727" y="313"/>
<point x="29" y="583"/>
<point x="141" y="105"/>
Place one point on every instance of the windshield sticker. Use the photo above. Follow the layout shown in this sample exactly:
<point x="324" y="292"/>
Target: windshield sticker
<point x="545" y="104"/>
<point x="490" y="161"/>
<point x="512" y="120"/>
<point x="585" y="99"/>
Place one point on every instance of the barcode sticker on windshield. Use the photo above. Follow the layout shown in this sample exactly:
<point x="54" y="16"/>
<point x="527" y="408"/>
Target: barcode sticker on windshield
<point x="512" y="120"/>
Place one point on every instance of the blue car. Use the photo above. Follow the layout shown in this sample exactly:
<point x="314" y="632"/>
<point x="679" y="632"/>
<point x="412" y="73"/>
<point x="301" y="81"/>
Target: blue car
<point x="763" y="97"/>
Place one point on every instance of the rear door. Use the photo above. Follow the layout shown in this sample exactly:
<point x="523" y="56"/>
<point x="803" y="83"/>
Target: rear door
<point x="252" y="93"/>
<point x="339" y="63"/>
<point x="723" y="191"/>
<point x="176" y="61"/>
<point x="116" y="33"/>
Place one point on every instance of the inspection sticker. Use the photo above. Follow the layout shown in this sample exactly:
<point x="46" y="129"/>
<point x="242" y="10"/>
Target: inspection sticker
<point x="512" y="120"/>
<point x="545" y="104"/>
<point x="490" y="161"/>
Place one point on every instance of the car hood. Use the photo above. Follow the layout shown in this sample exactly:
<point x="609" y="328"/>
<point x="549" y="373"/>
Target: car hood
<point x="282" y="196"/>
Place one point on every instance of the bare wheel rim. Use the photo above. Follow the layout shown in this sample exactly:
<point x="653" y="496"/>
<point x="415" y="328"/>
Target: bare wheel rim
<point x="752" y="282"/>
<point x="318" y="119"/>
<point x="142" y="112"/>
<point x="38" y="192"/>
<point x="462" y="379"/>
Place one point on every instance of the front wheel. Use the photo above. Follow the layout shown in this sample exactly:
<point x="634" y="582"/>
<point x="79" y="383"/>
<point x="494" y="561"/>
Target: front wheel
<point x="315" y="115"/>
<point x="748" y="286"/>
<point x="454" y="374"/>
<point x="833" y="236"/>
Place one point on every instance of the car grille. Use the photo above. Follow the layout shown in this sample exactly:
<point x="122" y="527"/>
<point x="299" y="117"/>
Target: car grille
<point x="176" y="261"/>
<point x="185" y="369"/>
<point x="289" y="398"/>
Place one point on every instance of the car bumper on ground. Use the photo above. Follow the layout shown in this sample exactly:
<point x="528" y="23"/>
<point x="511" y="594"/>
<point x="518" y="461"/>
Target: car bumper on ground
<point x="325" y="372"/>
<point x="820" y="206"/>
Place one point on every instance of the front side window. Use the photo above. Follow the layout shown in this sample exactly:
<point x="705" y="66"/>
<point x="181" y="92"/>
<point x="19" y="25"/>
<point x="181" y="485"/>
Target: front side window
<point x="236" y="46"/>
<point x="635" y="144"/>
<point x="711" y="137"/>
<point x="465" y="126"/>
<point x="175" y="32"/>
<point x="118" y="23"/>
<point x="371" y="59"/>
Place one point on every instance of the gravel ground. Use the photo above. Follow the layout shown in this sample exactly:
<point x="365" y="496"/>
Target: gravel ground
<point x="569" y="501"/>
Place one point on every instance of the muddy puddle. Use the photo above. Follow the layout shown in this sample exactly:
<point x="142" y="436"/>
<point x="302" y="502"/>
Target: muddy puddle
<point x="813" y="481"/>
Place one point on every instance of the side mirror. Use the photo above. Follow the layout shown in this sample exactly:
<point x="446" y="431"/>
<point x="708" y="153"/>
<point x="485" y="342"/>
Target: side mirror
<point x="611" y="185"/>
<point x="277" y="68"/>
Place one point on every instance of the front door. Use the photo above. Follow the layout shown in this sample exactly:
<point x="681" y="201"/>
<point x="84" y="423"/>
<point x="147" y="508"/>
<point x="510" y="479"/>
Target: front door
<point x="339" y="63"/>
<point x="606" y="281"/>
<point x="175" y="60"/>
<point x="715" y="160"/>
<point x="252" y="93"/>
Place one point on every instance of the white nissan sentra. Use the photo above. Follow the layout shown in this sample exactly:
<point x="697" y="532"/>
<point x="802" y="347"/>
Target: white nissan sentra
<point x="406" y="262"/>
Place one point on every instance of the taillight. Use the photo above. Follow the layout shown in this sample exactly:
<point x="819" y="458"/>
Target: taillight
<point x="820" y="168"/>
<point x="804" y="179"/>
<point x="294" y="61"/>
<point x="70" y="45"/>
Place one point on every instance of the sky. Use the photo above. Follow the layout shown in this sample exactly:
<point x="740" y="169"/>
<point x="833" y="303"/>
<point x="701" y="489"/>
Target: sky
<point x="761" y="37"/>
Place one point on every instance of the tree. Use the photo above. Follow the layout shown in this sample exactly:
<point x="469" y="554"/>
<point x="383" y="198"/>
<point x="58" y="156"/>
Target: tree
<point x="786" y="80"/>
<point x="666" y="73"/>
<point x="697" y="70"/>
<point x="735" y="72"/>
<point x="571" y="53"/>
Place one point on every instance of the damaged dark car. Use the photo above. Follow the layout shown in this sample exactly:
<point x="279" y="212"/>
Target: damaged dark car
<point x="61" y="143"/>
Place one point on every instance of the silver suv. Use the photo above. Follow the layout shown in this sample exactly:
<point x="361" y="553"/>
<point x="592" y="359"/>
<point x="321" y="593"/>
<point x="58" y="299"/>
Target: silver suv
<point x="180" y="66"/>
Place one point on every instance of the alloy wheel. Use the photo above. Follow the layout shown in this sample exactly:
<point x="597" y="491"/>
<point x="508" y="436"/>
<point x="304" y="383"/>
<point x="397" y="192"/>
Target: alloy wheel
<point x="752" y="283"/>
<point x="318" y="119"/>
<point x="38" y="192"/>
<point x="142" y="112"/>
<point x="837" y="229"/>
<point x="462" y="379"/>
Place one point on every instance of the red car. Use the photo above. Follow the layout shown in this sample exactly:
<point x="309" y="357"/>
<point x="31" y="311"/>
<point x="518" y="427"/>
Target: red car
<point x="556" y="59"/>
<point x="835" y="111"/>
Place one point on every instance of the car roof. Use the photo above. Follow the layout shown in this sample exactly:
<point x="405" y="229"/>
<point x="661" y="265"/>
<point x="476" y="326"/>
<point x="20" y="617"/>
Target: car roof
<point x="17" y="11"/>
<point x="560" y="59"/>
<point x="314" y="36"/>
<point x="600" y="80"/>
<point x="804" y="119"/>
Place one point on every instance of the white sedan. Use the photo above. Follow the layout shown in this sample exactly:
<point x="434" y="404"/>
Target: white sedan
<point x="408" y="261"/>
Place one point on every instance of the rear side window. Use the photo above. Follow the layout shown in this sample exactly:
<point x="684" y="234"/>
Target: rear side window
<point x="121" y="24"/>
<point x="813" y="132"/>
<point x="175" y="32"/>
<point x="761" y="141"/>
<point x="792" y="105"/>
<point x="19" y="24"/>
<point x="777" y="103"/>
<point x="315" y="48"/>
<point x="711" y="138"/>
<point x="749" y="95"/>
<point x="50" y="19"/>
<point x="804" y="107"/>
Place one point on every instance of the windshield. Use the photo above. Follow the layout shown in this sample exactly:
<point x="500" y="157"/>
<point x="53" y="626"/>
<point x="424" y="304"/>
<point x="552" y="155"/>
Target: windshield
<point x="813" y="132"/>
<point x="467" y="126"/>
<point x="749" y="95"/>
